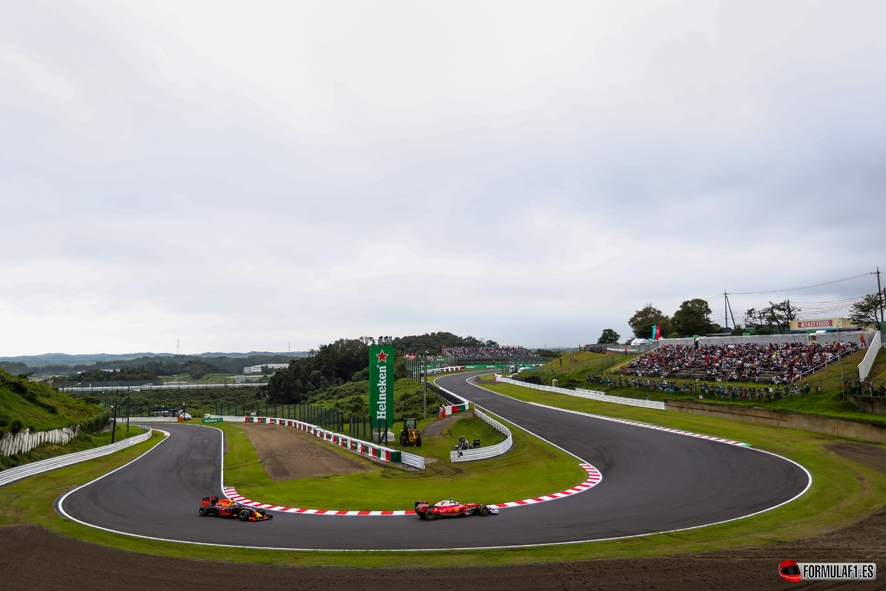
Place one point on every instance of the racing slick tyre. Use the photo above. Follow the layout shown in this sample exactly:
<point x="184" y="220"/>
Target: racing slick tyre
<point x="244" y="515"/>
<point x="484" y="510"/>
<point x="202" y="511"/>
<point x="429" y="515"/>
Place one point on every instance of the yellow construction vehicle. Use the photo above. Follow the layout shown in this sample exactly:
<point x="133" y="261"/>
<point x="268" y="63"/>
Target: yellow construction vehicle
<point x="410" y="435"/>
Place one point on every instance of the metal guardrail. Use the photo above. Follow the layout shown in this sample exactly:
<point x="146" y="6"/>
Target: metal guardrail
<point x="413" y="460"/>
<point x="166" y="386"/>
<point x="589" y="394"/>
<point x="482" y="453"/>
<point x="34" y="468"/>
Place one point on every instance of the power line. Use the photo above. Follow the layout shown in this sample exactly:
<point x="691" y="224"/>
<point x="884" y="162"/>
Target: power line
<point x="799" y="288"/>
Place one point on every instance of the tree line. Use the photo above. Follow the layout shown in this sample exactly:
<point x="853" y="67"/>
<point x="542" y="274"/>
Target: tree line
<point x="693" y="318"/>
<point x="194" y="366"/>
<point x="347" y="360"/>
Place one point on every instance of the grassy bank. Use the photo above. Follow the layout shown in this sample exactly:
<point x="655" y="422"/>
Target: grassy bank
<point x="33" y="405"/>
<point x="843" y="491"/>
<point x="825" y="397"/>
<point x="530" y="469"/>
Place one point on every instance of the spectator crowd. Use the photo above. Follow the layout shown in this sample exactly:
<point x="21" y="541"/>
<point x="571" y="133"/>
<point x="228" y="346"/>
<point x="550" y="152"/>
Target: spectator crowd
<point x="594" y="348"/>
<point x="771" y="363"/>
<point x="458" y="353"/>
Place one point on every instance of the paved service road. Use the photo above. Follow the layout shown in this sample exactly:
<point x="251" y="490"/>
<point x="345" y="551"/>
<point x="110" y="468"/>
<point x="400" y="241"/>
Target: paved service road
<point x="652" y="481"/>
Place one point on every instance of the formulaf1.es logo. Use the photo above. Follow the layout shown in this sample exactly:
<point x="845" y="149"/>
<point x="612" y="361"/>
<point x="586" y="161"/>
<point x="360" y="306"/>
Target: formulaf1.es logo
<point x="790" y="570"/>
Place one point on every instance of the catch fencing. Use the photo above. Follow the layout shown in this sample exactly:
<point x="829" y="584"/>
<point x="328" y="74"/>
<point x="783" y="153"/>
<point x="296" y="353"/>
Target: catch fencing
<point x="326" y="418"/>
<point x="589" y="394"/>
<point x="864" y="368"/>
<point x="34" y="468"/>
<point x="482" y="453"/>
<point x="147" y="386"/>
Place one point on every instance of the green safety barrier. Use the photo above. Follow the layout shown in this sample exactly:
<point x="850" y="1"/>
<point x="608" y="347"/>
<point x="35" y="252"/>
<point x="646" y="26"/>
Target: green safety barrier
<point x="213" y="420"/>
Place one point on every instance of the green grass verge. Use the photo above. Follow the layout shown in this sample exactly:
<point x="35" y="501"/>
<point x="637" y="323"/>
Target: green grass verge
<point x="878" y="372"/>
<point x="530" y="469"/>
<point x="825" y="399"/>
<point x="39" y="407"/>
<point x="843" y="491"/>
<point x="827" y="404"/>
<point x="585" y="363"/>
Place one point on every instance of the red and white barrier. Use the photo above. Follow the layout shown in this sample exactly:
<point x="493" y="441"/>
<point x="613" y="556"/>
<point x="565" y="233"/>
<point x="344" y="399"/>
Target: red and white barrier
<point x="452" y="409"/>
<point x="447" y="369"/>
<point x="357" y="446"/>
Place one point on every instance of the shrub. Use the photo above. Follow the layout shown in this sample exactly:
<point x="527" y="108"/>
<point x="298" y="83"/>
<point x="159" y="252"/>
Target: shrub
<point x="96" y="423"/>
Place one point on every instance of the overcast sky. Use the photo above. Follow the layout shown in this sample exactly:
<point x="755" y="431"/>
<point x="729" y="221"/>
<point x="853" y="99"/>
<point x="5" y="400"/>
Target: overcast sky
<point x="242" y="175"/>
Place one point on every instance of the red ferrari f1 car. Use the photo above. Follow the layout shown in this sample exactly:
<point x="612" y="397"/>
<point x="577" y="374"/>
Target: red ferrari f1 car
<point x="228" y="508"/>
<point x="450" y="508"/>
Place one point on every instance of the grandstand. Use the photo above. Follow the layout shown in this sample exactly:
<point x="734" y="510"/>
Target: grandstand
<point x="464" y="354"/>
<point x="773" y="363"/>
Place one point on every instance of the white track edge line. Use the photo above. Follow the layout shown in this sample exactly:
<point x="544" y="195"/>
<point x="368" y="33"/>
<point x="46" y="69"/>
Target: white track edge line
<point x="512" y="546"/>
<point x="59" y="503"/>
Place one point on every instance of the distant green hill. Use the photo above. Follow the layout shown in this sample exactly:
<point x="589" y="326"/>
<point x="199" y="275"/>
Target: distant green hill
<point x="37" y="406"/>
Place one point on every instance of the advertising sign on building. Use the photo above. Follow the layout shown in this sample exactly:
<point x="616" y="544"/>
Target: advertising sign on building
<point x="381" y="388"/>
<point x="821" y="324"/>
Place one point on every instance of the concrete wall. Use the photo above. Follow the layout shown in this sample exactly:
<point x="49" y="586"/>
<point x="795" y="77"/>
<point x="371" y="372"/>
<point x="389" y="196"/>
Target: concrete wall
<point x="684" y="342"/>
<point x="25" y="440"/>
<point x="788" y="420"/>
<point x="872" y="404"/>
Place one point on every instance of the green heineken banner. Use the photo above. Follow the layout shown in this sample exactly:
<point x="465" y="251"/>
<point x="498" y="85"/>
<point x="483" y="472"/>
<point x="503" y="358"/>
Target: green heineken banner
<point x="381" y="388"/>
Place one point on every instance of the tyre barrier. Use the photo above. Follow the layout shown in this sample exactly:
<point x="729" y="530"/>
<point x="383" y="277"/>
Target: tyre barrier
<point x="34" y="468"/>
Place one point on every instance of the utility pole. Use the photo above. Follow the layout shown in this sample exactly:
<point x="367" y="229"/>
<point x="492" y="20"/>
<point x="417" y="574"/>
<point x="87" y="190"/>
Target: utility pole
<point x="726" y="308"/>
<point x="425" y="415"/>
<point x="114" y="427"/>
<point x="881" y="295"/>
<point x="127" y="413"/>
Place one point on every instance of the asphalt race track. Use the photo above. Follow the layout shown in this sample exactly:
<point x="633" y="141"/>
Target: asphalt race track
<point x="653" y="481"/>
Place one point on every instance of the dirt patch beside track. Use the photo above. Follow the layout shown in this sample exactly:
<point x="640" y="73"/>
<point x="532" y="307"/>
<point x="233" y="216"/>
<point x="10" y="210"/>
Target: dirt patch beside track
<point x="287" y="453"/>
<point x="870" y="455"/>
<point x="437" y="427"/>
<point x="35" y="559"/>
